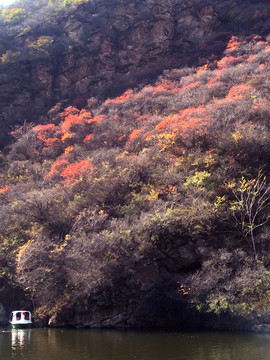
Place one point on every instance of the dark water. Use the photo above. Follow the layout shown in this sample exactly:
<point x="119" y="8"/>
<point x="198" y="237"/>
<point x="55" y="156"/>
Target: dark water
<point x="55" y="344"/>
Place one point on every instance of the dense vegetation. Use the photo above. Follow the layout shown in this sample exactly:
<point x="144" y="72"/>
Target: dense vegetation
<point x="181" y="164"/>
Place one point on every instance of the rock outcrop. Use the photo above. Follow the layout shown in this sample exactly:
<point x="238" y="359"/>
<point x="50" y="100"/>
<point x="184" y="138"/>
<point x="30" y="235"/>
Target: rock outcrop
<point x="147" y="295"/>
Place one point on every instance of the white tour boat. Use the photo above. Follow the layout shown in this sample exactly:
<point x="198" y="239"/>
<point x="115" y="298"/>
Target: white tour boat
<point x="20" y="319"/>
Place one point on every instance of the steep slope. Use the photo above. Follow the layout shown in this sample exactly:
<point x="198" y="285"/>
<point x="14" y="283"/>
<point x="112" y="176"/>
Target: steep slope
<point x="150" y="209"/>
<point x="54" y="55"/>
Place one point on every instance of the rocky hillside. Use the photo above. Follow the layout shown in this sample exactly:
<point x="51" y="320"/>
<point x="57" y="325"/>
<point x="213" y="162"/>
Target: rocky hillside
<point x="61" y="55"/>
<point x="150" y="208"/>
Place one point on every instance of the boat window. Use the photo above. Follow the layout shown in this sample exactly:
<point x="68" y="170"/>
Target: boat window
<point x="18" y="316"/>
<point x="26" y="315"/>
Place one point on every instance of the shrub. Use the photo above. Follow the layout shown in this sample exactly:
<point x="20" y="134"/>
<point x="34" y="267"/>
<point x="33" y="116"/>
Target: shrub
<point x="14" y="15"/>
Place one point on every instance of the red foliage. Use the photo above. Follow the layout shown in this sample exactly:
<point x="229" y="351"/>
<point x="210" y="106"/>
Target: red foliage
<point x="96" y="119"/>
<point x="135" y="133"/>
<point x="228" y="61"/>
<point x="74" y="119"/>
<point x="262" y="105"/>
<point x="5" y="189"/>
<point x="126" y="96"/>
<point x="73" y="172"/>
<point x="122" y="137"/>
<point x="143" y="118"/>
<point x="69" y="110"/>
<point x="56" y="167"/>
<point x="164" y="85"/>
<point x="252" y="58"/>
<point x="46" y="133"/>
<point x="69" y="149"/>
<point x="188" y="87"/>
<point x="239" y="91"/>
<point x="187" y="122"/>
<point x="234" y="44"/>
<point x="45" y="128"/>
<point x="88" y="138"/>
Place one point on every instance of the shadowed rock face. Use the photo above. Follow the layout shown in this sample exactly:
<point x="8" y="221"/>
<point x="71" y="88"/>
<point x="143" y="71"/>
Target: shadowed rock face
<point x="103" y="47"/>
<point x="145" y="296"/>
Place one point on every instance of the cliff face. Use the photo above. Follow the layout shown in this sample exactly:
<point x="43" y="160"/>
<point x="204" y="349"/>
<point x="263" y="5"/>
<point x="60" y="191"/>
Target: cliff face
<point x="122" y="213"/>
<point x="102" y="47"/>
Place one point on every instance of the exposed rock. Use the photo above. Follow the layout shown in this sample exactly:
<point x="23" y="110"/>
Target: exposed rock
<point x="3" y="315"/>
<point x="146" y="295"/>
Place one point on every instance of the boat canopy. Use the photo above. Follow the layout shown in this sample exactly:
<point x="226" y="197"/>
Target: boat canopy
<point x="20" y="316"/>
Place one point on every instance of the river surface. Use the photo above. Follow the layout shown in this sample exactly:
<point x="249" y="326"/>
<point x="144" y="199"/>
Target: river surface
<point x="59" y="344"/>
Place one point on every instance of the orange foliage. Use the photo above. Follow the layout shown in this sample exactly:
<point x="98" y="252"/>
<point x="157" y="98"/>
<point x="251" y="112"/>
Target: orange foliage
<point x="135" y="133"/>
<point x="96" y="119"/>
<point x="234" y="44"/>
<point x="262" y="105"/>
<point x="88" y="138"/>
<point x="69" y="110"/>
<point x="73" y="116"/>
<point x="121" y="137"/>
<point x="66" y="136"/>
<point x="239" y="91"/>
<point x="212" y="82"/>
<point x="5" y="189"/>
<point x="46" y="134"/>
<point x="164" y="85"/>
<point x="186" y="122"/>
<point x="188" y="87"/>
<point x="73" y="119"/>
<point x="143" y="118"/>
<point x="126" y="96"/>
<point x="44" y="128"/>
<point x="69" y="149"/>
<point x="74" y="172"/>
<point x="252" y="58"/>
<point x="148" y="135"/>
<point x="228" y="61"/>
<point x="56" y="167"/>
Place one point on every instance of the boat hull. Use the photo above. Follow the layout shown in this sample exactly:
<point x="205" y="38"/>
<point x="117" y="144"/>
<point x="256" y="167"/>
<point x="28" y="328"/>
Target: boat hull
<point x="21" y="326"/>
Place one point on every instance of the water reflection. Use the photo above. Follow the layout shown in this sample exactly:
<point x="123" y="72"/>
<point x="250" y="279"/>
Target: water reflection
<point x="57" y="344"/>
<point x="20" y="338"/>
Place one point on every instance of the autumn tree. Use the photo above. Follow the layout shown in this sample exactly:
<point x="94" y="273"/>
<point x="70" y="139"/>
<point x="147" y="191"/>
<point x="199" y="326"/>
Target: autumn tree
<point x="250" y="207"/>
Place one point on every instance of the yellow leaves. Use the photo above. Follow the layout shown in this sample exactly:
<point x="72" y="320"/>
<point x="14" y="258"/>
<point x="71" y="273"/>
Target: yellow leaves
<point x="198" y="179"/>
<point x="242" y="186"/>
<point x="209" y="160"/>
<point x="153" y="195"/>
<point x="105" y="164"/>
<point x="66" y="136"/>
<point x="59" y="248"/>
<point x="13" y="15"/>
<point x="166" y="140"/>
<point x="237" y="136"/>
<point x="69" y="149"/>
<point x="245" y="184"/>
<point x="220" y="200"/>
<point x="41" y="44"/>
<point x="182" y="289"/>
<point x="21" y="251"/>
<point x="10" y="56"/>
<point x="230" y="185"/>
